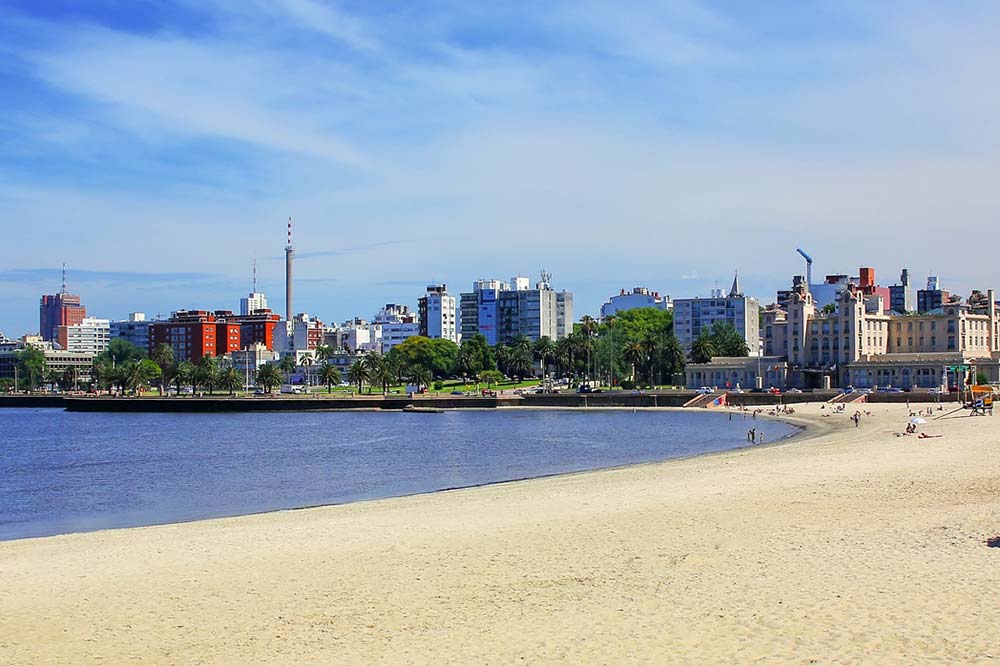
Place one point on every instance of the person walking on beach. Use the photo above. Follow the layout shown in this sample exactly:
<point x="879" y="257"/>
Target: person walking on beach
<point x="857" y="419"/>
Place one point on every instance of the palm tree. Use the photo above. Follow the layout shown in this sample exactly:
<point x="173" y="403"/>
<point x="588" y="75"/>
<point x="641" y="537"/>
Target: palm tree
<point x="307" y="363"/>
<point x="635" y="355"/>
<point x="207" y="372"/>
<point x="231" y="380"/>
<point x="358" y="374"/>
<point x="381" y="371"/>
<point x="287" y="365"/>
<point x="329" y="375"/>
<point x="702" y="349"/>
<point x="588" y="329"/>
<point x="268" y="376"/>
<point x="672" y="355"/>
<point x="564" y="355"/>
<point x="163" y="356"/>
<point x="503" y="355"/>
<point x="521" y="343"/>
<point x="323" y="353"/>
<point x="652" y="347"/>
<point x="184" y="375"/>
<point x="520" y="365"/>
<point x="544" y="350"/>
<point x="419" y="376"/>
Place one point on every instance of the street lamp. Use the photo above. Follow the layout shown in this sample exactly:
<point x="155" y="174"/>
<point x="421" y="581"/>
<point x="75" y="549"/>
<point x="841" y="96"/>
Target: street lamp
<point x="760" y="353"/>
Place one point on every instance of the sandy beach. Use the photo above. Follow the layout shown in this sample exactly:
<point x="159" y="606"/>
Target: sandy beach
<point x="848" y="545"/>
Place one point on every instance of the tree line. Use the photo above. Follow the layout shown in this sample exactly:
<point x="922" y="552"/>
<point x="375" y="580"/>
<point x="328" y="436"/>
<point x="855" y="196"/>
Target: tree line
<point x="633" y="348"/>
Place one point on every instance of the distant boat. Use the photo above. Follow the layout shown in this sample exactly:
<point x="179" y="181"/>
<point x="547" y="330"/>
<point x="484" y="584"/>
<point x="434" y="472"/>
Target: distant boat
<point x="423" y="410"/>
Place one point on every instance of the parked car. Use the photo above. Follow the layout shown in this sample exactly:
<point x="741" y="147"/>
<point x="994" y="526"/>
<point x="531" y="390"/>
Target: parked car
<point x="706" y="389"/>
<point x="793" y="390"/>
<point x="758" y="390"/>
<point x="457" y="393"/>
<point x="774" y="390"/>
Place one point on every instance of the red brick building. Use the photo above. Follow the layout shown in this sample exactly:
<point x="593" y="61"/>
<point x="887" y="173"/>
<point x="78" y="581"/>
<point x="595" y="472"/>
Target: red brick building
<point x="194" y="334"/>
<point x="57" y="310"/>
<point x="257" y="328"/>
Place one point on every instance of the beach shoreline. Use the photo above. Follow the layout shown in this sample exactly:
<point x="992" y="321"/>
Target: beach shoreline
<point x="837" y="545"/>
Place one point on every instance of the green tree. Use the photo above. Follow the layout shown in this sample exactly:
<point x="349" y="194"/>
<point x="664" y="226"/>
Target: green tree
<point x="358" y="374"/>
<point x="329" y="375"/>
<point x="475" y="355"/>
<point x="6" y="384"/>
<point x="231" y="380"/>
<point x="381" y="371"/>
<point x="120" y="351"/>
<point x="323" y="353"/>
<point x="185" y="375"/>
<point x="163" y="356"/>
<point x="287" y="365"/>
<point x="672" y="356"/>
<point x="491" y="377"/>
<point x="520" y="365"/>
<point x="207" y="373"/>
<point x="703" y="348"/>
<point x="635" y="356"/>
<point x="419" y="376"/>
<point x="503" y="355"/>
<point x="439" y="356"/>
<point x="268" y="377"/>
<point x="726" y="341"/>
<point x="544" y="350"/>
<point x="31" y="367"/>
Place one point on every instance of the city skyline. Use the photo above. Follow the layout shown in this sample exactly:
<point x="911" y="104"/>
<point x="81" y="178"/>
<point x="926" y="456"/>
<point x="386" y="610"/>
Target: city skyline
<point x="652" y="146"/>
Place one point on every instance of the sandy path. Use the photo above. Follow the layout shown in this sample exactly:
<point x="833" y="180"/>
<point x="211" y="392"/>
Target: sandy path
<point x="853" y="546"/>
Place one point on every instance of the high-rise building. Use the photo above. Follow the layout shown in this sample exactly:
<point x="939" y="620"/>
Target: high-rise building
<point x="694" y="315"/>
<point x="902" y="296"/>
<point x="135" y="330"/>
<point x="90" y="336"/>
<point x="62" y="309"/>
<point x="438" y="314"/>
<point x="501" y="311"/>
<point x="253" y="302"/>
<point x="478" y="309"/>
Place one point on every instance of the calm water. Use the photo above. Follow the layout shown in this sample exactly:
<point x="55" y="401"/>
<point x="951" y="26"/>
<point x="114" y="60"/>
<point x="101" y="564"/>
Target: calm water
<point x="68" y="472"/>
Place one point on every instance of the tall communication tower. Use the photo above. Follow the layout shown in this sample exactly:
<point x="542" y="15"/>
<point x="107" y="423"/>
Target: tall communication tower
<point x="289" y="253"/>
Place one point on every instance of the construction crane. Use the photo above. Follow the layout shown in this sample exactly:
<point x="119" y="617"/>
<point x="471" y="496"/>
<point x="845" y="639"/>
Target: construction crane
<point x="809" y="265"/>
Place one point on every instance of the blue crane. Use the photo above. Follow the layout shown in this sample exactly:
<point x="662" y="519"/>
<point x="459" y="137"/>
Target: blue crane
<point x="809" y="265"/>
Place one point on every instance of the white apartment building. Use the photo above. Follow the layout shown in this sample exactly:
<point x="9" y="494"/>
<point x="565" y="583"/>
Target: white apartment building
<point x="694" y="315"/>
<point x="253" y="302"/>
<point x="639" y="297"/>
<point x="90" y="336"/>
<point x="438" y="312"/>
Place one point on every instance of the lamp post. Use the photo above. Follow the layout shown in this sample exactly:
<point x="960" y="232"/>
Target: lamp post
<point x="760" y="353"/>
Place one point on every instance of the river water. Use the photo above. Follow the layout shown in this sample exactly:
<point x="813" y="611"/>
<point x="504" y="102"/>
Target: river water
<point x="70" y="472"/>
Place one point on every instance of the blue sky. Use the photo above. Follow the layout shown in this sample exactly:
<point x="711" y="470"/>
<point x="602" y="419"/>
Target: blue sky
<point x="155" y="146"/>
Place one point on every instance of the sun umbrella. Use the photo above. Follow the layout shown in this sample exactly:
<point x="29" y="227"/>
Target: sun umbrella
<point x="917" y="421"/>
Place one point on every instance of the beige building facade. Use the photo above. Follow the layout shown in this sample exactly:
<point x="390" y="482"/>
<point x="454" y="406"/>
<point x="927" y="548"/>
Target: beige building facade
<point x="858" y="343"/>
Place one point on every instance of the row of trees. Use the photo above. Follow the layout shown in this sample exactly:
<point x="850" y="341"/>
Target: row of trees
<point x="633" y="348"/>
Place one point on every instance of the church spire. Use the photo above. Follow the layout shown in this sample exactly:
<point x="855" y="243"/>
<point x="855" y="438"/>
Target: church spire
<point x="735" y="289"/>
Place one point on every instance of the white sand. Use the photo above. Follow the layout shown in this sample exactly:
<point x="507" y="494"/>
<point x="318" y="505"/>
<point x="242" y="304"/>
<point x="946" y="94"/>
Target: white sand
<point x="852" y="546"/>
